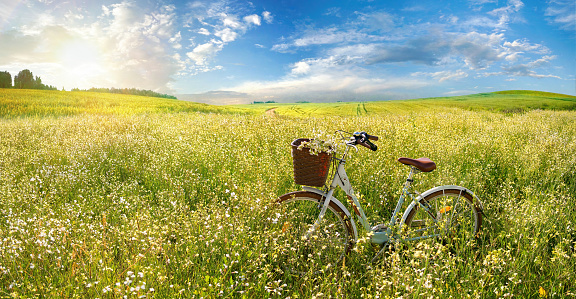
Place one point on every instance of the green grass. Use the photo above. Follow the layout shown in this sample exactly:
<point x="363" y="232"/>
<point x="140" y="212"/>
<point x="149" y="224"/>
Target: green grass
<point x="18" y="103"/>
<point x="114" y="202"/>
<point x="512" y="101"/>
<point x="39" y="103"/>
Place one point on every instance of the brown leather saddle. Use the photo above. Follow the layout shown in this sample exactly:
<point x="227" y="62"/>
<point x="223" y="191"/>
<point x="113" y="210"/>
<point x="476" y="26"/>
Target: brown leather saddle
<point x="423" y="164"/>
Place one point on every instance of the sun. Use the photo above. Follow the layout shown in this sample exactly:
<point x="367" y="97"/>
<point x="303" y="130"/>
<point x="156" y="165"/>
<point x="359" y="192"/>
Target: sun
<point x="81" y="60"/>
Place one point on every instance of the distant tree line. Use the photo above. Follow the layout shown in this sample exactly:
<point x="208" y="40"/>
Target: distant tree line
<point x="262" y="102"/>
<point x="132" y="91"/>
<point x="24" y="80"/>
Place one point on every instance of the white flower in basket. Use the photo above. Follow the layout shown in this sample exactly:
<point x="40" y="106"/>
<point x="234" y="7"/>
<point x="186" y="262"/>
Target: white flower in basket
<point x="320" y="144"/>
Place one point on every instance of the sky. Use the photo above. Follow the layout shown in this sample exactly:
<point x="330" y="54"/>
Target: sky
<point x="237" y="51"/>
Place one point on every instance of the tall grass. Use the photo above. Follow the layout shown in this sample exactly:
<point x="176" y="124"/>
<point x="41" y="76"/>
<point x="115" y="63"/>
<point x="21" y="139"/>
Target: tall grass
<point x="39" y="103"/>
<point x="177" y="204"/>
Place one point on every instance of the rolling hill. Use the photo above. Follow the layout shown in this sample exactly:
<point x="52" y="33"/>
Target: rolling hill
<point x="38" y="103"/>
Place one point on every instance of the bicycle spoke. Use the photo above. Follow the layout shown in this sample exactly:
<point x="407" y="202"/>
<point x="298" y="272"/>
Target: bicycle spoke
<point x="448" y="223"/>
<point x="301" y="249"/>
<point x="456" y="217"/>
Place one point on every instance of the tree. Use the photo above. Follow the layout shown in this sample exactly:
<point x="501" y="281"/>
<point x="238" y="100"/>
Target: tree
<point x="38" y="83"/>
<point x="24" y="79"/>
<point x="5" y="80"/>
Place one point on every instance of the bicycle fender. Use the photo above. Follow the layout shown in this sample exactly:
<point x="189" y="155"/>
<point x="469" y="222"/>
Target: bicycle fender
<point x="440" y="188"/>
<point x="339" y="204"/>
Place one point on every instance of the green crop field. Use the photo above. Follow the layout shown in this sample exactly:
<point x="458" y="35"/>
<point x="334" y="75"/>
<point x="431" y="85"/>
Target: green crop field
<point x="113" y="196"/>
<point x="512" y="101"/>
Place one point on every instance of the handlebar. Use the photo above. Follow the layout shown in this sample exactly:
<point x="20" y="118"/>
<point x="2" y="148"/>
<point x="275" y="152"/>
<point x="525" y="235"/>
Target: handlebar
<point x="363" y="139"/>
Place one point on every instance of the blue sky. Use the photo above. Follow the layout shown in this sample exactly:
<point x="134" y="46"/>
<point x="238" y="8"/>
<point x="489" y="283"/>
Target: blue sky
<point x="291" y="50"/>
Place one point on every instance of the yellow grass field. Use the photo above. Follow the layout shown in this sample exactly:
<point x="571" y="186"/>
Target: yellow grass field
<point x="107" y="196"/>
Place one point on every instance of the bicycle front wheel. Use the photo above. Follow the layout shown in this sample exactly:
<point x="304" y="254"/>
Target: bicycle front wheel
<point x="301" y="249"/>
<point x="449" y="213"/>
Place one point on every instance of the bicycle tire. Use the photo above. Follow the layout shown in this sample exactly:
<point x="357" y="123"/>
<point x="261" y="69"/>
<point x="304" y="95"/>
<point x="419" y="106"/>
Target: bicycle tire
<point x="457" y="217"/>
<point x="295" y="213"/>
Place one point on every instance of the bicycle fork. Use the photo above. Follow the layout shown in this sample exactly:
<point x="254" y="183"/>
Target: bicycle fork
<point x="321" y="216"/>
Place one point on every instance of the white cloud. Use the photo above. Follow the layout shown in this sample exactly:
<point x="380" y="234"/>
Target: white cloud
<point x="380" y="21"/>
<point x="366" y="28"/>
<point x="326" y="65"/>
<point x="106" y="11"/>
<point x="282" y="48"/>
<point x="300" y="67"/>
<point x="331" y="86"/>
<point x="481" y="2"/>
<point x="527" y="70"/>
<point x="139" y="45"/>
<point x="226" y="22"/>
<point x="320" y="37"/>
<point x="524" y="46"/>
<point x="328" y="79"/>
<point x="415" y="8"/>
<point x="71" y="16"/>
<point x="444" y="75"/>
<point x="460" y="92"/>
<point x="227" y="35"/>
<point x="476" y="50"/>
<point x="498" y="19"/>
<point x="202" y="53"/>
<point x="175" y="40"/>
<point x="126" y="15"/>
<point x="231" y="21"/>
<point x="357" y="50"/>
<point x="480" y="21"/>
<point x="513" y="58"/>
<point x="253" y="19"/>
<point x="562" y="13"/>
<point x="324" y="36"/>
<point x="268" y="17"/>
<point x="377" y="21"/>
<point x="506" y="13"/>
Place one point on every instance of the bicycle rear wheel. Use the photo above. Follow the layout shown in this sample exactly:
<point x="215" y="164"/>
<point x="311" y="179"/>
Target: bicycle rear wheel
<point x="323" y="248"/>
<point x="453" y="216"/>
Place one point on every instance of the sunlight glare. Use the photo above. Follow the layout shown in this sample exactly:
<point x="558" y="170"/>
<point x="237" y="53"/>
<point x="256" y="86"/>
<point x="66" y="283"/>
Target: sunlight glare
<point x="82" y="61"/>
<point x="78" y="53"/>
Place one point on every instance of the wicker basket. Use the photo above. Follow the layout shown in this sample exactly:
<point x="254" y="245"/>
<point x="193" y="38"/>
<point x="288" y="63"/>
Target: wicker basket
<point x="309" y="170"/>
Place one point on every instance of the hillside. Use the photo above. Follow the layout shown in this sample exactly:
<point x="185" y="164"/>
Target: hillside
<point x="25" y="102"/>
<point x="28" y="102"/>
<point x="502" y="101"/>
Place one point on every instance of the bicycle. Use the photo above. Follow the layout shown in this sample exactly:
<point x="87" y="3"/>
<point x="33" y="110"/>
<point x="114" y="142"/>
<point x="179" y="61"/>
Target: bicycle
<point x="316" y="230"/>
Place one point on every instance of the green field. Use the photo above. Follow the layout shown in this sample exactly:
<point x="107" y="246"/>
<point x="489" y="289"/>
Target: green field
<point x="40" y="103"/>
<point x="512" y="101"/>
<point x="106" y="196"/>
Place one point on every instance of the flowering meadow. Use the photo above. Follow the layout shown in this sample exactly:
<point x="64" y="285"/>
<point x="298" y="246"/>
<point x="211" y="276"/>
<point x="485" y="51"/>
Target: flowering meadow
<point x="176" y="204"/>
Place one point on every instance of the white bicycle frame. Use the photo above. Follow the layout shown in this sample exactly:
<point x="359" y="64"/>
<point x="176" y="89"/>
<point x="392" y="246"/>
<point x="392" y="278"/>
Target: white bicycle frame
<point x="341" y="180"/>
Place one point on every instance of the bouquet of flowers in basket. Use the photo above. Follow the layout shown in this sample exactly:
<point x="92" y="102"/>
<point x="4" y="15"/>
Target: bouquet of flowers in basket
<point x="321" y="143"/>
